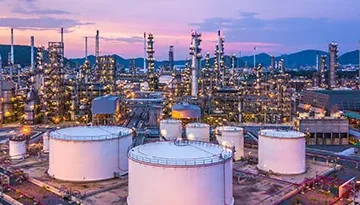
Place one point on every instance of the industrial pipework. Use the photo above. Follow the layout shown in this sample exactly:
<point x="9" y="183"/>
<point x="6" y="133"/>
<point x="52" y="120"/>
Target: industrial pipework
<point x="195" y="52"/>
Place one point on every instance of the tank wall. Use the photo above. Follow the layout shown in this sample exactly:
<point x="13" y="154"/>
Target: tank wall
<point x="190" y="186"/>
<point x="284" y="156"/>
<point x="88" y="160"/>
<point x="17" y="149"/>
<point x="234" y="139"/>
<point x="46" y="143"/>
<point x="171" y="131"/>
<point x="198" y="133"/>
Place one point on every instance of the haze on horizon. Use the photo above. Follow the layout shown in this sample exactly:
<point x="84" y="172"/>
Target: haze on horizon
<point x="275" y="27"/>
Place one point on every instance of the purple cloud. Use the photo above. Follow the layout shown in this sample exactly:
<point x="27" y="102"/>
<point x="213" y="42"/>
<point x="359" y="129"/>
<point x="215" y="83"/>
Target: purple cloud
<point x="41" y="23"/>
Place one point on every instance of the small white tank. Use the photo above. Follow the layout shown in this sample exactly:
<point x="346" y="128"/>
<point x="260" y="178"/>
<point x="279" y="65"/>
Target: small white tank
<point x="46" y="142"/>
<point x="170" y="129"/>
<point x="198" y="131"/>
<point x="17" y="148"/>
<point x="232" y="136"/>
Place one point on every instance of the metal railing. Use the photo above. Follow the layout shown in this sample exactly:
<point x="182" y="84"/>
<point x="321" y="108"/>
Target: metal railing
<point x="221" y="157"/>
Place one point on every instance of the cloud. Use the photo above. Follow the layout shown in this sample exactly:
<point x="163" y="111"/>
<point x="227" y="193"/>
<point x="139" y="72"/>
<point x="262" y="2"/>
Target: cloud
<point x="30" y="7"/>
<point x="133" y="39"/>
<point x="291" y="32"/>
<point x="41" y="23"/>
<point x="36" y="11"/>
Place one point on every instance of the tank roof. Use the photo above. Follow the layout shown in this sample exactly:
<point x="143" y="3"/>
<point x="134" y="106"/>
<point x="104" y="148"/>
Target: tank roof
<point x="180" y="153"/>
<point x="90" y="133"/>
<point x="281" y="133"/>
<point x="170" y="121"/>
<point x="196" y="124"/>
<point x="230" y="128"/>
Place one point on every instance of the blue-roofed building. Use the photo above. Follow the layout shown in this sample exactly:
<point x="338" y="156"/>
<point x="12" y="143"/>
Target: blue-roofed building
<point x="105" y="110"/>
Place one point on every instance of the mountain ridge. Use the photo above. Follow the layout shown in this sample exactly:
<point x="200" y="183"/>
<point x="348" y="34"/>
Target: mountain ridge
<point x="292" y="60"/>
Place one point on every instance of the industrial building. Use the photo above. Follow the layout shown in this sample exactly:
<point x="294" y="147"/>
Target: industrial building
<point x="325" y="131"/>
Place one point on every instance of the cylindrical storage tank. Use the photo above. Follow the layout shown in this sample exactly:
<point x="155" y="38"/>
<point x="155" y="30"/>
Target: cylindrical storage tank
<point x="180" y="172"/>
<point x="232" y="136"/>
<point x="171" y="129"/>
<point x="282" y="151"/>
<point x="89" y="153"/>
<point x="46" y="142"/>
<point x="198" y="131"/>
<point x="17" y="148"/>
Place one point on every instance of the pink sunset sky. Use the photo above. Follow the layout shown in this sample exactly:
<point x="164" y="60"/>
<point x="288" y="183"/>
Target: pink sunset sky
<point x="275" y="27"/>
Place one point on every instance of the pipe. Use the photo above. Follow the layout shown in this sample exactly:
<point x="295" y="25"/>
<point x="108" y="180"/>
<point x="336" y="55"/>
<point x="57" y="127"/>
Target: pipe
<point x="144" y="51"/>
<point x="86" y="48"/>
<point x="359" y="61"/>
<point x="12" y="54"/>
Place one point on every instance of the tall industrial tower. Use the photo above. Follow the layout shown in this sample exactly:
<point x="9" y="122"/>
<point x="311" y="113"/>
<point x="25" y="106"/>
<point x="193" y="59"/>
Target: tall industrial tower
<point x="132" y="67"/>
<point x="171" y="58"/>
<point x="282" y="66"/>
<point x="233" y="60"/>
<point x="12" y="62"/>
<point x="195" y="52"/>
<point x="322" y="71"/>
<point x="53" y="99"/>
<point x="106" y="73"/>
<point x="97" y="52"/>
<point x="151" y="60"/>
<point x="272" y="63"/>
<point x="32" y="60"/>
<point x="333" y="65"/>
<point x="220" y="57"/>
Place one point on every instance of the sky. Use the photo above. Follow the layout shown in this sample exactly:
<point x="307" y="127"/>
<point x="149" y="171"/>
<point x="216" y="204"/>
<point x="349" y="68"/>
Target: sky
<point x="275" y="27"/>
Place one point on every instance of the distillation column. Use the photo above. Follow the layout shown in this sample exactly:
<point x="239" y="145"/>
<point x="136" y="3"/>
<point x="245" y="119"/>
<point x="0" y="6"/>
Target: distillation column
<point x="195" y="52"/>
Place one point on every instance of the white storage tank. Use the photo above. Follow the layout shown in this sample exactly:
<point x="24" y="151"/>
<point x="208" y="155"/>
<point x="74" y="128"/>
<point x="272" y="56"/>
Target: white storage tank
<point x="198" y="131"/>
<point x="232" y="136"/>
<point x="89" y="153"/>
<point x="282" y="151"/>
<point x="46" y="142"/>
<point x="180" y="172"/>
<point x="17" y="147"/>
<point x="171" y="129"/>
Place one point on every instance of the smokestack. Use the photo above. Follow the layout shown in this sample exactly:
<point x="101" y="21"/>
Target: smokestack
<point x="145" y="52"/>
<point x="97" y="46"/>
<point x="254" y="57"/>
<point x="317" y="62"/>
<point x="62" y="43"/>
<point x="359" y="61"/>
<point x="86" y="48"/>
<point x="12" y="53"/>
<point x="219" y="53"/>
<point x="32" y="54"/>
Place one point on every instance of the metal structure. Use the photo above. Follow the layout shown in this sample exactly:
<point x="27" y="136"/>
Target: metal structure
<point x="232" y="137"/>
<point x="54" y="89"/>
<point x="282" y="152"/>
<point x="32" y="61"/>
<point x="93" y="153"/>
<point x="322" y="71"/>
<point x="189" y="171"/>
<point x="195" y="52"/>
<point x="171" y="58"/>
<point x="333" y="65"/>
<point x="171" y="129"/>
<point x="272" y="63"/>
<point x="132" y="67"/>
<point x="106" y="70"/>
<point x="32" y="107"/>
<point x="145" y="49"/>
<point x="152" y="79"/>
<point x="198" y="131"/>
<point x="219" y="61"/>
